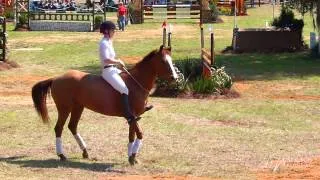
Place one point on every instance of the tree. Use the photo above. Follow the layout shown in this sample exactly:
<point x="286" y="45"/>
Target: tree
<point x="308" y="6"/>
<point x="311" y="6"/>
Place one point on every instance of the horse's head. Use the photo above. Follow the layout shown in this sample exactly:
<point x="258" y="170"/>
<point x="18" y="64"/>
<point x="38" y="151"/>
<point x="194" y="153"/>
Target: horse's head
<point x="164" y="66"/>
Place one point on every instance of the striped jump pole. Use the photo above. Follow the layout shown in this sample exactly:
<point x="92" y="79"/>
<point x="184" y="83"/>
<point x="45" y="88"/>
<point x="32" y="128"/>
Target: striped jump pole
<point x="212" y="47"/>
<point x="169" y="35"/>
<point x="164" y="33"/>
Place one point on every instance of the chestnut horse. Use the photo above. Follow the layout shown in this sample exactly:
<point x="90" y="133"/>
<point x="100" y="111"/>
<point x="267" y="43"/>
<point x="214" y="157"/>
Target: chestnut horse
<point x="75" y="90"/>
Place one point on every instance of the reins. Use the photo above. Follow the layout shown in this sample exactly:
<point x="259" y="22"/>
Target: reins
<point x="125" y="69"/>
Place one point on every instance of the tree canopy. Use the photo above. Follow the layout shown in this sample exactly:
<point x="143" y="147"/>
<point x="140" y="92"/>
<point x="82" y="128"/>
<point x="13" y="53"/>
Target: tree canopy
<point x="308" y="6"/>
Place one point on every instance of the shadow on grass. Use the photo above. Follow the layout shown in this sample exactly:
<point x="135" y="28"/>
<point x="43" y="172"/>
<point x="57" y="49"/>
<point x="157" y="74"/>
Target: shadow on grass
<point x="273" y="66"/>
<point x="54" y="163"/>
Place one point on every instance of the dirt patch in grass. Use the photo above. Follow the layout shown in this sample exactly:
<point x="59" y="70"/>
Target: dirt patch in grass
<point x="226" y="94"/>
<point x="294" y="170"/>
<point x="6" y="65"/>
<point x="18" y="85"/>
<point x="272" y="91"/>
<point x="225" y="123"/>
<point x="162" y="177"/>
<point x="26" y="41"/>
<point x="232" y="123"/>
<point x="131" y="59"/>
<point x="295" y="97"/>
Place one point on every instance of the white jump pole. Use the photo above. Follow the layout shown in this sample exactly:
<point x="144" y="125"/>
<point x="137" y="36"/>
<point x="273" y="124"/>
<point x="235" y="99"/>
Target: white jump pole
<point x="273" y="4"/>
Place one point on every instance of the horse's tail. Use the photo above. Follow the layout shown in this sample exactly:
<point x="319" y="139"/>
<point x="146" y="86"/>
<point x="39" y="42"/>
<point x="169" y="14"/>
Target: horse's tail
<point x="39" y="97"/>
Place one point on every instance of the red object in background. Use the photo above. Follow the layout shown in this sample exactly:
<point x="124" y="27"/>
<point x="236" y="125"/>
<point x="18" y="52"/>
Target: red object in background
<point x="6" y="3"/>
<point x="240" y="8"/>
<point x="122" y="10"/>
<point x="164" y="24"/>
<point x="206" y="70"/>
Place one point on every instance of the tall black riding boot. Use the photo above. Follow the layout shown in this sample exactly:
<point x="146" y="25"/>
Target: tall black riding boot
<point x="127" y="111"/>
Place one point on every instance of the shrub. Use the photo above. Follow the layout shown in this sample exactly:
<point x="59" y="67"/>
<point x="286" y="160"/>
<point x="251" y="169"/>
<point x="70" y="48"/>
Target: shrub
<point x="165" y="88"/>
<point x="190" y="79"/>
<point x="97" y="21"/>
<point x="190" y="68"/>
<point x="23" y="19"/>
<point x="287" y="20"/>
<point x="217" y="83"/>
<point x="225" y="11"/>
<point x="214" y="10"/>
<point x="9" y="13"/>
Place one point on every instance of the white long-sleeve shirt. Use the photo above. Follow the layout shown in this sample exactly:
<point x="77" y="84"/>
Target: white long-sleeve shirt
<point x="106" y="50"/>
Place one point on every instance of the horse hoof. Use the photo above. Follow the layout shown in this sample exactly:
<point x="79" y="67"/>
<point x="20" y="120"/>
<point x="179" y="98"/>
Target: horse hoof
<point x="62" y="157"/>
<point x="132" y="160"/>
<point x="136" y="161"/>
<point x="85" y="154"/>
<point x="148" y="108"/>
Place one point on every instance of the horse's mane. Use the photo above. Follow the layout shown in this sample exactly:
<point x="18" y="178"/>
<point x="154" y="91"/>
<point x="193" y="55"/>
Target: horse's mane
<point x="147" y="57"/>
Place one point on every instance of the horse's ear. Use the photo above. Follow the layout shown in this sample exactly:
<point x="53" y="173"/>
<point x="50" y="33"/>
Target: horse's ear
<point x="168" y="48"/>
<point x="161" y="47"/>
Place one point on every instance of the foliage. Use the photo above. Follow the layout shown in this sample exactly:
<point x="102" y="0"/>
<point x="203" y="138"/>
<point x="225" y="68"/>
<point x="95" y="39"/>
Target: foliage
<point x="190" y="68"/>
<point x="225" y="11"/>
<point x="214" y="10"/>
<point x="173" y="88"/>
<point x="287" y="20"/>
<point x="89" y="3"/>
<point x="23" y="19"/>
<point x="190" y="79"/>
<point x="97" y="21"/>
<point x="304" y="6"/>
<point x="9" y="13"/>
<point x="217" y="83"/>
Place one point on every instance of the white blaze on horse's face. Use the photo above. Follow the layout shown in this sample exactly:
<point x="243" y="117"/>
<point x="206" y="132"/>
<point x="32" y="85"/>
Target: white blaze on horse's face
<point x="173" y="71"/>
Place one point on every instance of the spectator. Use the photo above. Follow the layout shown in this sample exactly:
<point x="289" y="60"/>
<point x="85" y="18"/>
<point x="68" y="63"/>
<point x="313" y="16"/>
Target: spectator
<point x="122" y="11"/>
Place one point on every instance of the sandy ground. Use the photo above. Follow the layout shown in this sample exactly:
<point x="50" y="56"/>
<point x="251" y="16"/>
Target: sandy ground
<point x="296" y="170"/>
<point x="284" y="170"/>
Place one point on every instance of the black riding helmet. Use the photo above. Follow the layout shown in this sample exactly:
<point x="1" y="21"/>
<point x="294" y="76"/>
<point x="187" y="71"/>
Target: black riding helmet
<point x="107" y="25"/>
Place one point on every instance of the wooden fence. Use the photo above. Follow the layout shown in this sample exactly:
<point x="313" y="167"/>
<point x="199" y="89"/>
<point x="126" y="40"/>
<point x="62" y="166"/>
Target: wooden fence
<point x="61" y="16"/>
<point x="183" y="11"/>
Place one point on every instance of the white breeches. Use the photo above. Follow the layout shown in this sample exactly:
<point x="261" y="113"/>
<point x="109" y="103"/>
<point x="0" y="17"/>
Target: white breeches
<point x="111" y="75"/>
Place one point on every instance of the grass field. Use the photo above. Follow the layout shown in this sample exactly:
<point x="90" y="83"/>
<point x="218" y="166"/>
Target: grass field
<point x="276" y="119"/>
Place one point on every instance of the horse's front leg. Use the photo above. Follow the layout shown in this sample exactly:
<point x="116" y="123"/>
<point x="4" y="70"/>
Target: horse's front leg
<point x="134" y="144"/>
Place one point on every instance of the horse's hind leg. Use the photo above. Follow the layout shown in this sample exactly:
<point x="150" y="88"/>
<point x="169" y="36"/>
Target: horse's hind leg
<point x="63" y="113"/>
<point x="76" y="112"/>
